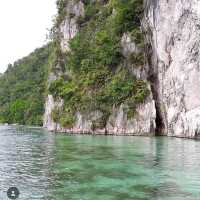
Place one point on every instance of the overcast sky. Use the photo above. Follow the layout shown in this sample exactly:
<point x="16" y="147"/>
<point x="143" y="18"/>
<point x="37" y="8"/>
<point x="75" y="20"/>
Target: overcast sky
<point x="23" y="27"/>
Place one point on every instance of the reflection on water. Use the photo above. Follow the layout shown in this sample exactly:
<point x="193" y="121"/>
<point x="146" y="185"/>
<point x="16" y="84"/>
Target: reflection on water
<point x="59" y="167"/>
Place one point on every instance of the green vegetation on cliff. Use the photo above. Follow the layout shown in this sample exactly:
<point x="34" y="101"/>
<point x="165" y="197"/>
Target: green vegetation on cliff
<point x="22" y="89"/>
<point x="98" y="77"/>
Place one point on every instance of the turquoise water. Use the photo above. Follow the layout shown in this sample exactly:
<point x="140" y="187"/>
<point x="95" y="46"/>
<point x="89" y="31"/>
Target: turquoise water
<point x="58" y="167"/>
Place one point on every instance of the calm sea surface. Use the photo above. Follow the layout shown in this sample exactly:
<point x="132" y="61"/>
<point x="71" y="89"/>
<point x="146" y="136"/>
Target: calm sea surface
<point x="45" y="166"/>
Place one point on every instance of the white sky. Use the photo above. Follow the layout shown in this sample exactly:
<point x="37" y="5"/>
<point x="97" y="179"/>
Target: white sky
<point x="23" y="27"/>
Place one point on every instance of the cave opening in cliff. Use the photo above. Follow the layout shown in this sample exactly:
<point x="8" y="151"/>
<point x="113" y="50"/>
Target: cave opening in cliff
<point x="154" y="84"/>
<point x="160" y="125"/>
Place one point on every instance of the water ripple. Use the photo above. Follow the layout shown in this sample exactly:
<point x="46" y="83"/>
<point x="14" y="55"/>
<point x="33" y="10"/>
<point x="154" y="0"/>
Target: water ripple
<point x="59" y="167"/>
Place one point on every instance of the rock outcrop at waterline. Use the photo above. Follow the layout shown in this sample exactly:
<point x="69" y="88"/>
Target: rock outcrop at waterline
<point x="171" y="72"/>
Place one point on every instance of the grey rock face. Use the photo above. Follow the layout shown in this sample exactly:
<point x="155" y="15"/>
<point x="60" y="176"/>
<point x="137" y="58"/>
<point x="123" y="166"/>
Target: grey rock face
<point x="118" y="123"/>
<point x="67" y="30"/>
<point x="174" y="35"/>
<point x="69" y="26"/>
<point x="49" y="106"/>
<point x="143" y="122"/>
<point x="128" y="46"/>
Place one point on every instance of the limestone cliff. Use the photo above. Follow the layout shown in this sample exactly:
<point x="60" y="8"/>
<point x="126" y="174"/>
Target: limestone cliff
<point x="118" y="123"/>
<point x="171" y="72"/>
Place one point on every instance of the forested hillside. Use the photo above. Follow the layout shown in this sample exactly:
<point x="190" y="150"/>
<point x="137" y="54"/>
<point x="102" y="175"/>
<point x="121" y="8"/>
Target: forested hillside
<point x="22" y="89"/>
